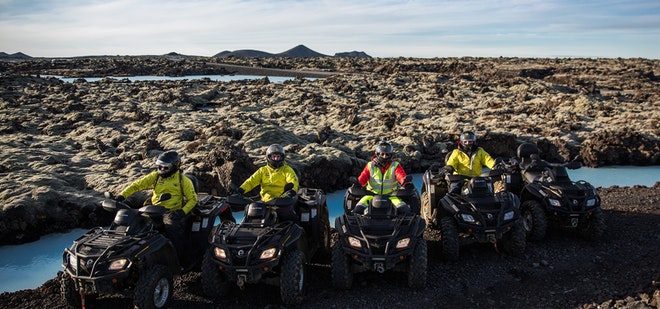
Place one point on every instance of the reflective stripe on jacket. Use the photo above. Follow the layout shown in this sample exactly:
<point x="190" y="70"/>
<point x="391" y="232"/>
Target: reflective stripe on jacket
<point x="379" y="182"/>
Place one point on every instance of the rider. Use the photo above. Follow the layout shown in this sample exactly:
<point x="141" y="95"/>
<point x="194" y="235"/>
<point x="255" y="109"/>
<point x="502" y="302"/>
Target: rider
<point x="272" y="178"/>
<point x="381" y="176"/>
<point x="168" y="178"/>
<point x="467" y="160"/>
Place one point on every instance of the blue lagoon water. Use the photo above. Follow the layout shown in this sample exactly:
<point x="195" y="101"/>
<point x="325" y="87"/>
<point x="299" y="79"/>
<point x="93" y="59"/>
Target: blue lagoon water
<point x="29" y="265"/>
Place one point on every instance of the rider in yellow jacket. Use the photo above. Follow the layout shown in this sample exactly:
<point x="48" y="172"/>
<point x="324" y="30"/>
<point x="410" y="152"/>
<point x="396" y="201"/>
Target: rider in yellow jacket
<point x="168" y="179"/>
<point x="272" y="178"/>
<point x="467" y="160"/>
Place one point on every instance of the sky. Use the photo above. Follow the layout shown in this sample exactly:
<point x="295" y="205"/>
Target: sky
<point x="380" y="28"/>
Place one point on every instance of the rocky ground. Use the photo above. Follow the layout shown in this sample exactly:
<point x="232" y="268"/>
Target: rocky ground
<point x="562" y="271"/>
<point x="63" y="144"/>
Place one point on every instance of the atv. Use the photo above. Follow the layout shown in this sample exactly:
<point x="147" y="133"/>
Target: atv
<point x="550" y="198"/>
<point x="264" y="249"/>
<point x="380" y="239"/>
<point x="133" y="256"/>
<point x="477" y="215"/>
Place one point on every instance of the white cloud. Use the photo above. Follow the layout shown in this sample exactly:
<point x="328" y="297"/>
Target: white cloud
<point x="380" y="28"/>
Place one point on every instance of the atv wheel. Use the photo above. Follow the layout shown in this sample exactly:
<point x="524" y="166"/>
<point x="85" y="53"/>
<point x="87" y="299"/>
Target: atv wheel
<point x="69" y="293"/>
<point x="154" y="288"/>
<point x="214" y="282"/>
<point x="449" y="237"/>
<point x="417" y="267"/>
<point x="292" y="277"/>
<point x="594" y="227"/>
<point x="516" y="240"/>
<point x="427" y="211"/>
<point x="534" y="220"/>
<point x="342" y="275"/>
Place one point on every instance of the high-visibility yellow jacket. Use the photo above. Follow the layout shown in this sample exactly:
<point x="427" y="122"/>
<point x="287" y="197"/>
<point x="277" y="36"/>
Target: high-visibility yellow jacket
<point x="470" y="164"/>
<point x="272" y="181"/>
<point x="179" y="186"/>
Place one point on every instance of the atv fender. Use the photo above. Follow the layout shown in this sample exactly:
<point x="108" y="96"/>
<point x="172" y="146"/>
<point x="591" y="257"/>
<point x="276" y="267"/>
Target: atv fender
<point x="160" y="251"/>
<point x="532" y="190"/>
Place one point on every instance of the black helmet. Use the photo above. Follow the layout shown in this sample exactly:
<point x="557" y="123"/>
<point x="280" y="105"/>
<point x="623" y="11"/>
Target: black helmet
<point x="467" y="141"/>
<point x="275" y="155"/>
<point x="383" y="153"/>
<point x="168" y="163"/>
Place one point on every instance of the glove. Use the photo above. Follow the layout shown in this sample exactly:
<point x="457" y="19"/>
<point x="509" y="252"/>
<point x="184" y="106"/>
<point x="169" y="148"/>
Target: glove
<point x="119" y="198"/>
<point x="408" y="186"/>
<point x="178" y="214"/>
<point x="240" y="191"/>
<point x="291" y="193"/>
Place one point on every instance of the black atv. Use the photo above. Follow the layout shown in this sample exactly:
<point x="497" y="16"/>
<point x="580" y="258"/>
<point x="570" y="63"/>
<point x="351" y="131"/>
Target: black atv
<point x="133" y="256"/>
<point x="263" y="249"/>
<point x="550" y="198"/>
<point x="477" y="215"/>
<point x="380" y="239"/>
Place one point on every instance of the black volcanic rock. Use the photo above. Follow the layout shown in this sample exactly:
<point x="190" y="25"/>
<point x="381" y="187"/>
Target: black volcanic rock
<point x="353" y="54"/>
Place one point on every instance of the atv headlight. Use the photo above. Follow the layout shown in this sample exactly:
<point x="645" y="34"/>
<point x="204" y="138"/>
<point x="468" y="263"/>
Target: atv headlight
<point x="591" y="202"/>
<point x="354" y="242"/>
<point x="220" y="253"/>
<point x="73" y="261"/>
<point x="268" y="253"/>
<point x="554" y="202"/>
<point x="118" y="264"/>
<point x="403" y="243"/>
<point x="467" y="218"/>
<point x="508" y="215"/>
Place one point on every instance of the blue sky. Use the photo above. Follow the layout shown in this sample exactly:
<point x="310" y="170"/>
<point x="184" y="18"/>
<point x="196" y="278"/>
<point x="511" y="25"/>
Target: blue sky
<point x="427" y="28"/>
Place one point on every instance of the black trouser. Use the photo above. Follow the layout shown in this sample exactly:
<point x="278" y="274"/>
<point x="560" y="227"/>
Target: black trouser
<point x="174" y="231"/>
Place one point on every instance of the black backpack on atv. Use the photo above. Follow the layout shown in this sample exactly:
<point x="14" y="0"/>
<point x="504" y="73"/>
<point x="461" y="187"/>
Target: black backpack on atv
<point x="379" y="240"/>
<point x="550" y="198"/>
<point x="263" y="249"/>
<point x="133" y="256"/>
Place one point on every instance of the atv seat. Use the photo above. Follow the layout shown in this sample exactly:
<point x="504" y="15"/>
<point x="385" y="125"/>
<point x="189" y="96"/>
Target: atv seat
<point x="525" y="151"/>
<point x="381" y="207"/>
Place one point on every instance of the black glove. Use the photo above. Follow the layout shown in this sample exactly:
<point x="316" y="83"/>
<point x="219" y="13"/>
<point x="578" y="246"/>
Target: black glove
<point x="408" y="185"/>
<point x="291" y="193"/>
<point x="119" y="198"/>
<point x="240" y="191"/>
<point x="178" y="214"/>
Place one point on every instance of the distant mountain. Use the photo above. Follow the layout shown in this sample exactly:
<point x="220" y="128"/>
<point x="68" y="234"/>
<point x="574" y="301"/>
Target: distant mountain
<point x="353" y="54"/>
<point x="18" y="55"/>
<point x="300" y="51"/>
<point x="244" y="53"/>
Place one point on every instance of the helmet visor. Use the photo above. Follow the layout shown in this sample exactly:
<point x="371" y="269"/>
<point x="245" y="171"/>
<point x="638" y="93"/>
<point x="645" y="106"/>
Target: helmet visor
<point x="163" y="167"/>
